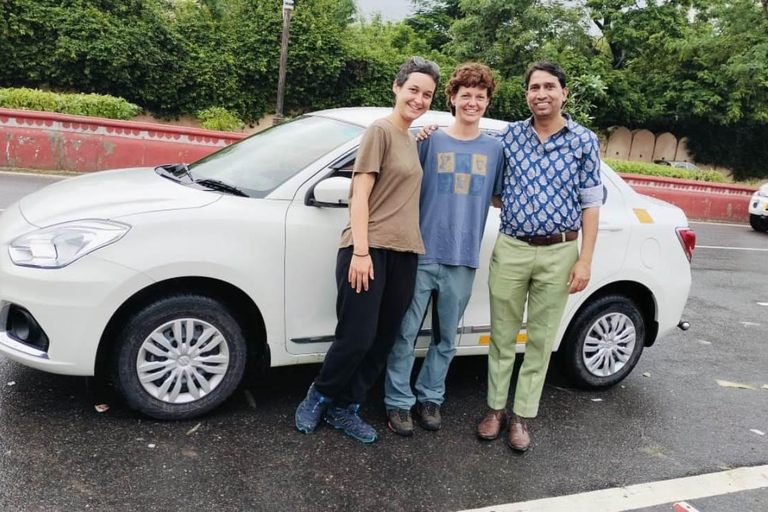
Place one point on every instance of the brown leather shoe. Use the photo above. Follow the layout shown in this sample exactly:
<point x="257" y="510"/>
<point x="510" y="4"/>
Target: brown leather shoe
<point x="491" y="426"/>
<point x="518" y="437"/>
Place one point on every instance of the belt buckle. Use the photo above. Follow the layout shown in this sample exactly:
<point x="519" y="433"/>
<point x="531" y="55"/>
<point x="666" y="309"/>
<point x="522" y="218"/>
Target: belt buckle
<point x="563" y="237"/>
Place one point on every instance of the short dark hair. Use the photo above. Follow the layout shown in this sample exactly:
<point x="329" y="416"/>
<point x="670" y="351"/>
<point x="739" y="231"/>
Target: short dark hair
<point x="417" y="65"/>
<point x="471" y="74"/>
<point x="553" y="68"/>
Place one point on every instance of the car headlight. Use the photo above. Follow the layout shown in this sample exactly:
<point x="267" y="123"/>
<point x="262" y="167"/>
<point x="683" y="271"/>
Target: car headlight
<point x="59" y="245"/>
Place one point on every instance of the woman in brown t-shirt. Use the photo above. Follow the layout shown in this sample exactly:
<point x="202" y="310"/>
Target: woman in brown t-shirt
<point x="383" y="237"/>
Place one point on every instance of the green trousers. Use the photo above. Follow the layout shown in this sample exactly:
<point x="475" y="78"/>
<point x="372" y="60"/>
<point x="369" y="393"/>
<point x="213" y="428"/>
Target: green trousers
<point x="519" y="271"/>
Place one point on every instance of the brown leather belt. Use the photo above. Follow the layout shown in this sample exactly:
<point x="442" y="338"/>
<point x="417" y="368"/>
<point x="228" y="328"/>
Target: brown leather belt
<point x="557" y="238"/>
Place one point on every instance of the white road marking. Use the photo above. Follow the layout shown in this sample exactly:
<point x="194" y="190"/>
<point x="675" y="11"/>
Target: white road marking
<point x="719" y="224"/>
<point x="646" y="495"/>
<point x="762" y="303"/>
<point x="731" y="248"/>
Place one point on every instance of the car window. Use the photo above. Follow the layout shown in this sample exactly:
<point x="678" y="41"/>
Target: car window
<point x="262" y="162"/>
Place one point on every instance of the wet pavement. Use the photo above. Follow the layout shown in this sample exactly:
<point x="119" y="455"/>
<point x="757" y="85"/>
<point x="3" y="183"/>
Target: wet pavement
<point x="58" y="453"/>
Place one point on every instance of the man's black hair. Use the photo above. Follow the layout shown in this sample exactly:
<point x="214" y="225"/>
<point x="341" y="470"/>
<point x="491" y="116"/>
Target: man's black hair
<point x="553" y="68"/>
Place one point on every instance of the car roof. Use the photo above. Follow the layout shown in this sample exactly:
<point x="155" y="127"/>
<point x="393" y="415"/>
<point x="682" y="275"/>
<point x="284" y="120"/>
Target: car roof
<point x="365" y="116"/>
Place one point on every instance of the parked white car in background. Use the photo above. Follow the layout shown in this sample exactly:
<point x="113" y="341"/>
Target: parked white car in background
<point x="176" y="279"/>
<point x="758" y="209"/>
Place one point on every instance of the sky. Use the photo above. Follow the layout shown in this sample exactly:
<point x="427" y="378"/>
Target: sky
<point x="390" y="9"/>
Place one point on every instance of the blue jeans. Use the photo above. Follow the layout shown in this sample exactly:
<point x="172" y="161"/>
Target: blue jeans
<point x="453" y="285"/>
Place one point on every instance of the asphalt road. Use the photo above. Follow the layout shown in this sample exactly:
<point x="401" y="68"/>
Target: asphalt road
<point x="58" y="453"/>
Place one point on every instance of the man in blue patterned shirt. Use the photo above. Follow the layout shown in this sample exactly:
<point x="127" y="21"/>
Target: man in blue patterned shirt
<point x="552" y="191"/>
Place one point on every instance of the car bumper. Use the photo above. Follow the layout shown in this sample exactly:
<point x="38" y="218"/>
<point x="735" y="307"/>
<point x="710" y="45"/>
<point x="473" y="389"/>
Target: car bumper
<point x="758" y="205"/>
<point x="71" y="305"/>
<point x="671" y="304"/>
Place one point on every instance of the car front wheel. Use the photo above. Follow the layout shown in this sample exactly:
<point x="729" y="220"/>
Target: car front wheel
<point x="179" y="357"/>
<point x="758" y="223"/>
<point x="603" y="342"/>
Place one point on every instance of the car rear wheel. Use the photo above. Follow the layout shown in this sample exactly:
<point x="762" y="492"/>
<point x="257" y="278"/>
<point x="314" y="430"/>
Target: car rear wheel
<point x="758" y="223"/>
<point x="603" y="342"/>
<point x="179" y="357"/>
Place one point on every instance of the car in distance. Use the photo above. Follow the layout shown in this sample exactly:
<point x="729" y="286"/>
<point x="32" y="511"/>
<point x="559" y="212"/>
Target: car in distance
<point x="678" y="164"/>
<point x="758" y="209"/>
<point x="176" y="281"/>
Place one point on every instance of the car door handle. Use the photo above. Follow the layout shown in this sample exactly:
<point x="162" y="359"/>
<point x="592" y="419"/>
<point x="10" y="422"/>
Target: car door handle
<point x="606" y="226"/>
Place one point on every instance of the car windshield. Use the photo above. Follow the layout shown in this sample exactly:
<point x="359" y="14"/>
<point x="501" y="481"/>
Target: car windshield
<point x="262" y="162"/>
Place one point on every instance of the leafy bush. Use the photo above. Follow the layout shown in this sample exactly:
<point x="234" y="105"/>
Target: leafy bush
<point x="221" y="119"/>
<point x="93" y="105"/>
<point x="663" y="171"/>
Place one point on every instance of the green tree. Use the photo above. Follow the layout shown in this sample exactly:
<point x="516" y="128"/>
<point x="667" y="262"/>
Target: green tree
<point x="629" y="26"/>
<point x="509" y="34"/>
<point x="433" y="19"/>
<point x="375" y="51"/>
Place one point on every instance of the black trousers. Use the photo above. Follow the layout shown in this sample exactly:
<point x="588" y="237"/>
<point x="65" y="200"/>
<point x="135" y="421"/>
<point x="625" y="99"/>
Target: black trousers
<point x="368" y="323"/>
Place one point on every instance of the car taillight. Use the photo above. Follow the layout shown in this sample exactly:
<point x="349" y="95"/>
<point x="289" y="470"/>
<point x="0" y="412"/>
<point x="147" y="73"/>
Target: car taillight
<point x="687" y="239"/>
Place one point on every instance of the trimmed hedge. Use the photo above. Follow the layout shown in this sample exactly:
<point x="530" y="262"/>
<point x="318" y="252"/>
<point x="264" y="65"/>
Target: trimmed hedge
<point x="663" y="171"/>
<point x="92" y="105"/>
<point x="221" y="119"/>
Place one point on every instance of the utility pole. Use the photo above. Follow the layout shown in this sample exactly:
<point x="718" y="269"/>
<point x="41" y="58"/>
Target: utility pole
<point x="287" y="11"/>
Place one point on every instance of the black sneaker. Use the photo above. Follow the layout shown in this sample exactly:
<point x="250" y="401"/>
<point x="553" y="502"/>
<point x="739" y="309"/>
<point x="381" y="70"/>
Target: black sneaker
<point x="400" y="421"/>
<point x="429" y="416"/>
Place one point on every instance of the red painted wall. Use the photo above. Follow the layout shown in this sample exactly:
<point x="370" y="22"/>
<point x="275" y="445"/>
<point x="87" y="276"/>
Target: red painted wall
<point x="49" y="141"/>
<point x="43" y="140"/>
<point x="698" y="199"/>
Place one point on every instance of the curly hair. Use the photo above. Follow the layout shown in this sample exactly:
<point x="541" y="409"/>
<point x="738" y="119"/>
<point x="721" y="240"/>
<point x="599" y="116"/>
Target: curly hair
<point x="470" y="74"/>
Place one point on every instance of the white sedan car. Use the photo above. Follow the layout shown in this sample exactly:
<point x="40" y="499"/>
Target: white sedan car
<point x="758" y="209"/>
<point x="179" y="279"/>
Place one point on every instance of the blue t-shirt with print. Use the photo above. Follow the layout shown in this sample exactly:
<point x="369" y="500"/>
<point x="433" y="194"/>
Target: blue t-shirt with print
<point x="459" y="179"/>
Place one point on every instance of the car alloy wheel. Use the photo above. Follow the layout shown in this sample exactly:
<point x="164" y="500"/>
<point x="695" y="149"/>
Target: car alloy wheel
<point x="182" y="361"/>
<point x="603" y="342"/>
<point x="609" y="344"/>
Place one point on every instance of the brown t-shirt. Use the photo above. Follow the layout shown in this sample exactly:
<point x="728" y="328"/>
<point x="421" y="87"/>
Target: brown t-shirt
<point x="393" y="205"/>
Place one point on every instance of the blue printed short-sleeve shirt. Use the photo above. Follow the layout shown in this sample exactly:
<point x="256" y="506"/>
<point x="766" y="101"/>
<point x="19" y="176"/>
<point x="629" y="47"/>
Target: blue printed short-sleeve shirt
<point x="548" y="184"/>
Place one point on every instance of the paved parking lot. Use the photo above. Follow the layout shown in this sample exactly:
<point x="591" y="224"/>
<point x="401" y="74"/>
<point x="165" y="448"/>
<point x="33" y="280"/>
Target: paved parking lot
<point x="58" y="453"/>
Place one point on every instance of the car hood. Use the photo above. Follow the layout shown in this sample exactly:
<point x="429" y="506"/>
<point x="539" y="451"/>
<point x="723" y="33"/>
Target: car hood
<point x="109" y="195"/>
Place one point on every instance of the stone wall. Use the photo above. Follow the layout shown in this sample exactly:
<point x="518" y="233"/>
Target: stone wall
<point x="644" y="146"/>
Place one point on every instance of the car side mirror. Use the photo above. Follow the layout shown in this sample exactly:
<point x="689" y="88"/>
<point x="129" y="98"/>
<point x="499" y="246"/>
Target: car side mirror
<point x="331" y="193"/>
